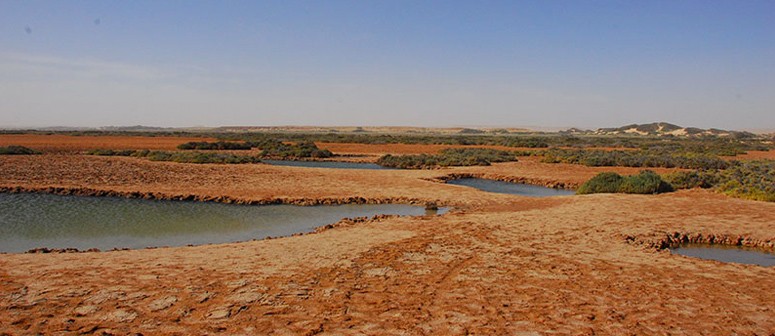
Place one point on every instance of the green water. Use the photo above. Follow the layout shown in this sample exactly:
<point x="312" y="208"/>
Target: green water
<point x="29" y="220"/>
<point x="510" y="188"/>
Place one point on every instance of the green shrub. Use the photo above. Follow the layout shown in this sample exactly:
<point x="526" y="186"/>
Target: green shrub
<point x="478" y="154"/>
<point x="198" y="157"/>
<point x="271" y="148"/>
<point x="703" y="145"/>
<point x="17" y="150"/>
<point x="607" y="182"/>
<point x="448" y="157"/>
<point x="277" y="149"/>
<point x="641" y="158"/>
<point x="693" y="179"/>
<point x="751" y="180"/>
<point x="408" y="161"/>
<point x="111" y="152"/>
<point x="181" y="157"/>
<point x="646" y="182"/>
<point x="220" y="145"/>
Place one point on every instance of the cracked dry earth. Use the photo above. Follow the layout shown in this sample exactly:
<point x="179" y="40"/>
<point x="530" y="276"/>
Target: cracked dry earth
<point x="498" y="265"/>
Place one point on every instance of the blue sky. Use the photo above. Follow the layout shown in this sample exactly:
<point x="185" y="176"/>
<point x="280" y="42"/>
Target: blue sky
<point x="416" y="63"/>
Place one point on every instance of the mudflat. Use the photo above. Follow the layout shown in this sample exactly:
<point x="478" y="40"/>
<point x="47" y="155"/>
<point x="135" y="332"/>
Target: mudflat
<point x="497" y="264"/>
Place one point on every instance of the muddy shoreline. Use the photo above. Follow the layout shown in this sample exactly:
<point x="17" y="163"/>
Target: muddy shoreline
<point x="512" y="179"/>
<point x="676" y="239"/>
<point x="160" y="196"/>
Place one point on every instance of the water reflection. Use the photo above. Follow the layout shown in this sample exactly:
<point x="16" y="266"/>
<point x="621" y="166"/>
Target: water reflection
<point x="724" y="253"/>
<point x="510" y="188"/>
<point x="40" y="220"/>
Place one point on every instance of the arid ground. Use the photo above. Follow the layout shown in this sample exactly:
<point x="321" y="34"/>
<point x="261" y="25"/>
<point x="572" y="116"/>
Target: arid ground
<point x="66" y="143"/>
<point x="497" y="264"/>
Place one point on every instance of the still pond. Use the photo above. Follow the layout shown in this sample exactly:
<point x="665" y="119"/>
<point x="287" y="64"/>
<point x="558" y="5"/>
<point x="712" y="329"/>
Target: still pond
<point x="29" y="220"/>
<point x="732" y="254"/>
<point x="510" y="188"/>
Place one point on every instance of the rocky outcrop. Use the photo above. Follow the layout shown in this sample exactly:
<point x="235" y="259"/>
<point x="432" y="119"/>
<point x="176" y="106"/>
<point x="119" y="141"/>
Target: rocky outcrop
<point x="661" y="241"/>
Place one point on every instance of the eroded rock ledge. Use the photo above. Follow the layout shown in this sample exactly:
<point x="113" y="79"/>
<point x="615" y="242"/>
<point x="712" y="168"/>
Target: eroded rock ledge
<point x="661" y="241"/>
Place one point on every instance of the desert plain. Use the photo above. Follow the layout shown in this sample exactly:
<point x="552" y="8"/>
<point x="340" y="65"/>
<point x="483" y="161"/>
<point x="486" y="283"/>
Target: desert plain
<point x="496" y="264"/>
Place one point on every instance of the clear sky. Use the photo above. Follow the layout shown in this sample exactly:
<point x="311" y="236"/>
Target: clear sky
<point x="417" y="63"/>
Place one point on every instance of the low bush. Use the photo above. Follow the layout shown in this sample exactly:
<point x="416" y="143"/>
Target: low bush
<point x="181" y="157"/>
<point x="646" y="182"/>
<point x="17" y="150"/>
<point x="693" y="179"/>
<point x="750" y="180"/>
<point x="111" y="152"/>
<point x="492" y="155"/>
<point x="753" y="180"/>
<point x="407" y="161"/>
<point x="635" y="158"/>
<point x="602" y="183"/>
<point x="198" y="157"/>
<point x="276" y="149"/>
<point x="699" y="145"/>
<point x="448" y="157"/>
<point x="270" y="148"/>
<point x="220" y="145"/>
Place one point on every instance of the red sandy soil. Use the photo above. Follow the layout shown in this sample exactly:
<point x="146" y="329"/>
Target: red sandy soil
<point x="754" y="155"/>
<point x="69" y="143"/>
<point x="499" y="264"/>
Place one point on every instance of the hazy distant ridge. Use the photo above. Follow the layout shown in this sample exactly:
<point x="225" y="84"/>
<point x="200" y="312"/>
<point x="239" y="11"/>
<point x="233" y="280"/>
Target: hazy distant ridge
<point x="652" y="129"/>
<point x="664" y="129"/>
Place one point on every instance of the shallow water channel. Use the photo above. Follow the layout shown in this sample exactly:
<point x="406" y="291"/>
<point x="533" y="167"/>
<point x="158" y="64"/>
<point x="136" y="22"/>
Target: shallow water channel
<point x="29" y="220"/>
<point x="733" y="254"/>
<point x="510" y="188"/>
<point x="325" y="164"/>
